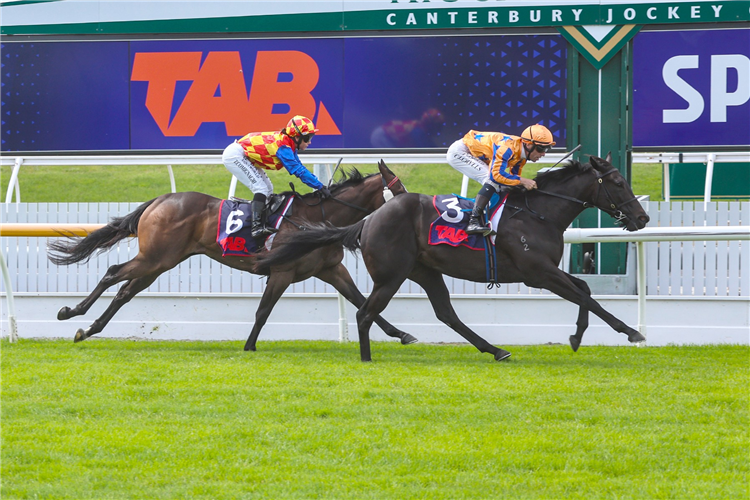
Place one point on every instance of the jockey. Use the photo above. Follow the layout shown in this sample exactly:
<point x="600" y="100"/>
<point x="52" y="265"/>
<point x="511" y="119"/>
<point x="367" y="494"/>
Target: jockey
<point x="248" y="157"/>
<point x="495" y="160"/>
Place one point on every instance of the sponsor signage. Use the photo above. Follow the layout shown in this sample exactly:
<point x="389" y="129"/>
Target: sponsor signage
<point x="182" y="95"/>
<point x="483" y="14"/>
<point x="691" y="88"/>
<point x="173" y="16"/>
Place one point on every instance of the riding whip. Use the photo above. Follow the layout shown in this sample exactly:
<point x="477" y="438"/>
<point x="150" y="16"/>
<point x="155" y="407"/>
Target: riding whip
<point x="330" y="181"/>
<point x="566" y="156"/>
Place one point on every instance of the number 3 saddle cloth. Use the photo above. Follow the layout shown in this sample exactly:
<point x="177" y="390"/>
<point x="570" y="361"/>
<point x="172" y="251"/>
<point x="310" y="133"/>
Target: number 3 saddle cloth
<point x="453" y="216"/>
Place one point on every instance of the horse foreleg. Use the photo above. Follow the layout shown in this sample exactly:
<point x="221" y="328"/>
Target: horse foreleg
<point x="557" y="282"/>
<point x="583" y="314"/>
<point x="339" y="278"/>
<point x="124" y="295"/>
<point x="278" y="282"/>
<point x="433" y="284"/>
<point x="111" y="277"/>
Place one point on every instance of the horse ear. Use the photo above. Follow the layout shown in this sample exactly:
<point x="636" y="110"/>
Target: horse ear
<point x="608" y="159"/>
<point x="384" y="168"/>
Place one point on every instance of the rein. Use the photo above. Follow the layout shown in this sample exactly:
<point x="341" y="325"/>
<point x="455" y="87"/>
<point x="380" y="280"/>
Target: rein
<point x="613" y="210"/>
<point x="387" y="195"/>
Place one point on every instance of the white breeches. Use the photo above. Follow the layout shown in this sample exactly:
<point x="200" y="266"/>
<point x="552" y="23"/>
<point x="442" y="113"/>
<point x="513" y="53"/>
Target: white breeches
<point x="241" y="167"/>
<point x="462" y="160"/>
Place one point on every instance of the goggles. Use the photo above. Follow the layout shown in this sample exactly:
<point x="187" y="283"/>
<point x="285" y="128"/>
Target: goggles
<point x="541" y="149"/>
<point x="307" y="138"/>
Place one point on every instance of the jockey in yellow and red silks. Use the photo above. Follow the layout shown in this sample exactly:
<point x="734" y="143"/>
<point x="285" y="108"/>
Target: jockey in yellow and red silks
<point x="496" y="160"/>
<point x="248" y="157"/>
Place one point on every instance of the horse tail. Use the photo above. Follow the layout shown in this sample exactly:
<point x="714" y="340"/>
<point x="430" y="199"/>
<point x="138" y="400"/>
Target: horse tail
<point x="313" y="237"/>
<point x="76" y="249"/>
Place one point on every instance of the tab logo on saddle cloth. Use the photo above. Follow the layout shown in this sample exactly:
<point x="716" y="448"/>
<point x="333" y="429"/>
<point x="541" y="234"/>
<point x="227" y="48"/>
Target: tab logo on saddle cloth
<point x="453" y="217"/>
<point x="233" y="233"/>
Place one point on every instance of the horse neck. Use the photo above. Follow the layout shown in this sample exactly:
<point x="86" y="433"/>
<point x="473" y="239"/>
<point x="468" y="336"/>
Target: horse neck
<point x="364" y="195"/>
<point x="559" y="211"/>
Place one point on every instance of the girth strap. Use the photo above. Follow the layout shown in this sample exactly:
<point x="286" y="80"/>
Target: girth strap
<point x="490" y="259"/>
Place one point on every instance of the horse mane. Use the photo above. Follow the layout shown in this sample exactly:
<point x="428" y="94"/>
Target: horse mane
<point x="562" y="174"/>
<point x="351" y="178"/>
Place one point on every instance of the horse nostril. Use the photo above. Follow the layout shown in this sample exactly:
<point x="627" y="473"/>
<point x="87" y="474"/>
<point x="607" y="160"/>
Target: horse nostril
<point x="644" y="219"/>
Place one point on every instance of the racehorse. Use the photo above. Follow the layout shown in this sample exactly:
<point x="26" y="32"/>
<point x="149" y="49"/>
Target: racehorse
<point x="175" y="226"/>
<point x="529" y="246"/>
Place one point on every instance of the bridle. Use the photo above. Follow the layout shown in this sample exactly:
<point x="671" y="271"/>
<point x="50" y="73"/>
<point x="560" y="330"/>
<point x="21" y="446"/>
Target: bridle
<point x="613" y="209"/>
<point x="387" y="196"/>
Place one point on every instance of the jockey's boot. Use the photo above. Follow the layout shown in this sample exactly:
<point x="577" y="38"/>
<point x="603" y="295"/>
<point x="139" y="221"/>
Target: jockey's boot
<point x="475" y="225"/>
<point x="258" y="226"/>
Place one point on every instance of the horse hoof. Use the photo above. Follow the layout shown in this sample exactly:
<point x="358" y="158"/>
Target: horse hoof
<point x="575" y="342"/>
<point x="407" y="339"/>
<point x="501" y="355"/>
<point x="250" y="347"/>
<point x="636" y="337"/>
<point x="63" y="313"/>
<point x="80" y="335"/>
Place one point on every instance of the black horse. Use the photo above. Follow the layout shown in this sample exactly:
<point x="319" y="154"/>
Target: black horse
<point x="175" y="226"/>
<point x="529" y="246"/>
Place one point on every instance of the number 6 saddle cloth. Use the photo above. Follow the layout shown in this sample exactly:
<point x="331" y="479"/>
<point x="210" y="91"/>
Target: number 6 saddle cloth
<point x="453" y="216"/>
<point x="233" y="233"/>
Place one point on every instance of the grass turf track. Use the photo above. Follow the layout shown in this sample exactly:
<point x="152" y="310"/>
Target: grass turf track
<point x="166" y="420"/>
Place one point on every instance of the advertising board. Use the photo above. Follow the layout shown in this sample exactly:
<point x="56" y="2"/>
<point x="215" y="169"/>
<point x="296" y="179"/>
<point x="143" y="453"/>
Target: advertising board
<point x="691" y="88"/>
<point x="182" y="95"/>
<point x="108" y="17"/>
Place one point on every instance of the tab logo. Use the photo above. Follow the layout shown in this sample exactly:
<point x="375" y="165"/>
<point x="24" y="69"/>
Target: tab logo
<point x="281" y="79"/>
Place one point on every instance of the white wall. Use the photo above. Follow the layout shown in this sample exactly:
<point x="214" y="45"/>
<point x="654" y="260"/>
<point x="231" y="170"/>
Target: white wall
<point x="502" y="320"/>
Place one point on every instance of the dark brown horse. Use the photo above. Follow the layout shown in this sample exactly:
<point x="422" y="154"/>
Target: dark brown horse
<point x="175" y="226"/>
<point x="529" y="245"/>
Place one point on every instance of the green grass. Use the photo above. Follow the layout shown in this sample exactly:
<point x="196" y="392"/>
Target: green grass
<point x="68" y="184"/>
<point x="116" y="419"/>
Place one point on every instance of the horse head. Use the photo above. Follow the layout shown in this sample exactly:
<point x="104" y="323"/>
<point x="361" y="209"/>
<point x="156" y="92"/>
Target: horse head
<point x="353" y="197"/>
<point x="614" y="196"/>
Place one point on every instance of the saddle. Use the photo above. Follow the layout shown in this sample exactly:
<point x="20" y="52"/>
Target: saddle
<point x="453" y="217"/>
<point x="233" y="233"/>
<point x="273" y="202"/>
<point x="450" y="228"/>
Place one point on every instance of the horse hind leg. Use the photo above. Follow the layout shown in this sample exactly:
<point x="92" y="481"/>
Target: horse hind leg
<point x="339" y="278"/>
<point x="379" y="298"/>
<point x="278" y="282"/>
<point x="111" y="277"/>
<point x="433" y="284"/>
<point x="124" y="295"/>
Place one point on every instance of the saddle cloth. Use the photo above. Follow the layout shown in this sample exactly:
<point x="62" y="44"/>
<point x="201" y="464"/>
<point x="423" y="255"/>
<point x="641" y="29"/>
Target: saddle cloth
<point x="453" y="216"/>
<point x="233" y="232"/>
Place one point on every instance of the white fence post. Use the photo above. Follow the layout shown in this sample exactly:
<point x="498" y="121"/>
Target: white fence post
<point x="13" y="183"/>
